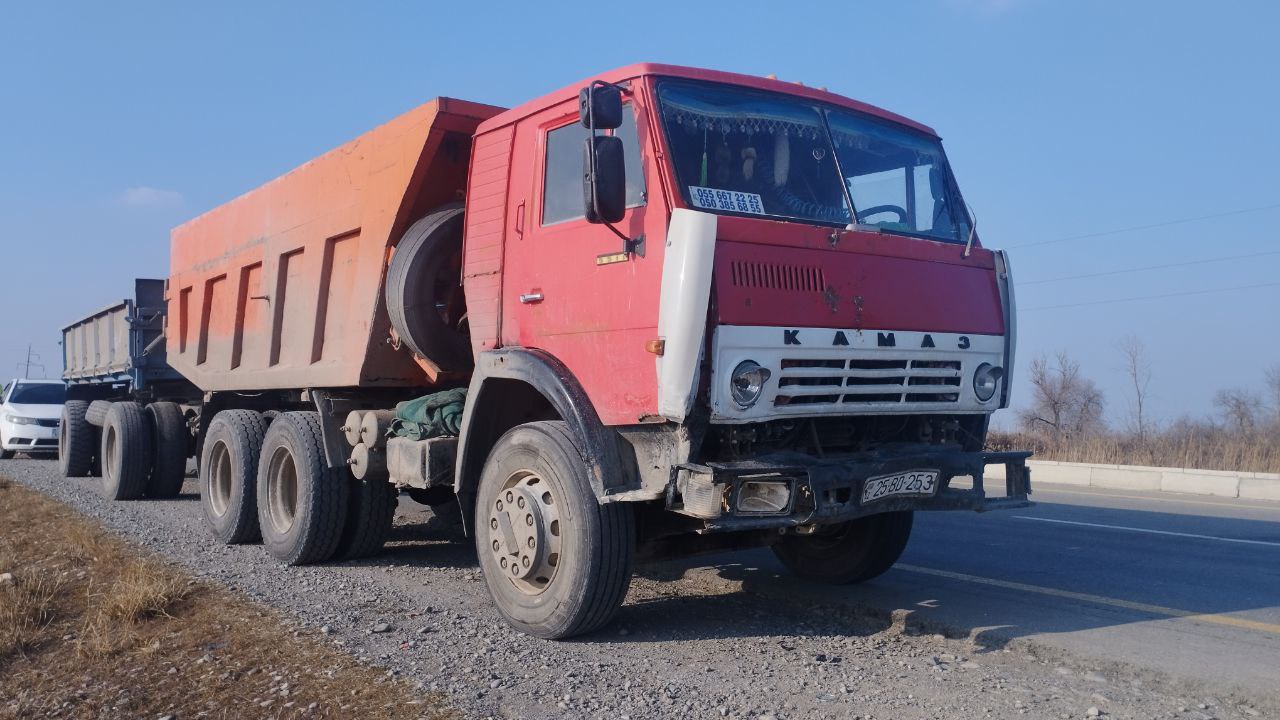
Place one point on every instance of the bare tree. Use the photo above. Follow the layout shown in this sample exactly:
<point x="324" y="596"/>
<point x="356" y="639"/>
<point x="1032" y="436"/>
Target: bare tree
<point x="1271" y="386"/>
<point x="1137" y="368"/>
<point x="1239" y="408"/>
<point x="1064" y="402"/>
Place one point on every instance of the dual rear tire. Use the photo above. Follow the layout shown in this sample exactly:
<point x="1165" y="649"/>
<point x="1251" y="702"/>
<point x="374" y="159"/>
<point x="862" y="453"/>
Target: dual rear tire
<point x="269" y="481"/>
<point x="143" y="450"/>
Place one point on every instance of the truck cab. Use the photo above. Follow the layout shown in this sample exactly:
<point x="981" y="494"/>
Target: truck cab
<point x="774" y="296"/>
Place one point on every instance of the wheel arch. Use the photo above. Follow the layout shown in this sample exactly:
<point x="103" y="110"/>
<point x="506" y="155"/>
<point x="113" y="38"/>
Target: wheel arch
<point x="513" y="386"/>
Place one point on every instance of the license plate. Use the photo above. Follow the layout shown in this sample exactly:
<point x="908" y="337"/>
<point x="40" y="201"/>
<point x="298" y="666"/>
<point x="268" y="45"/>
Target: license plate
<point x="912" y="483"/>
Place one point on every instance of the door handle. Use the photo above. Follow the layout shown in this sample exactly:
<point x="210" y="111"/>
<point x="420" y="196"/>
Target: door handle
<point x="531" y="298"/>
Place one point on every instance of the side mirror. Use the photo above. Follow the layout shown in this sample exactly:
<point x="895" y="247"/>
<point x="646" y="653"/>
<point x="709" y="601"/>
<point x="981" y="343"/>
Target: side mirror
<point x="604" y="180"/>
<point x="600" y="107"/>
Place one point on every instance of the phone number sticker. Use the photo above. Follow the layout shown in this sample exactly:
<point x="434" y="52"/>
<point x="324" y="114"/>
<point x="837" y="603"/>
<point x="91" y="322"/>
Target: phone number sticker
<point x="728" y="200"/>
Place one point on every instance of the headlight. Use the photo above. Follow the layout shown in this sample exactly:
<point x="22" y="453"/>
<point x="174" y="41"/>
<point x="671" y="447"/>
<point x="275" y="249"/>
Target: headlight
<point x="747" y="382"/>
<point x="985" y="380"/>
<point x="19" y="420"/>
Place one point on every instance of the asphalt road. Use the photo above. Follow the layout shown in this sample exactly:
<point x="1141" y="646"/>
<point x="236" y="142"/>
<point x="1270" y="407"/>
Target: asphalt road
<point x="1178" y="585"/>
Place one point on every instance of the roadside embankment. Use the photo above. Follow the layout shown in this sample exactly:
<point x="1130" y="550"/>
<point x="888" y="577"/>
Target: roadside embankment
<point x="91" y="626"/>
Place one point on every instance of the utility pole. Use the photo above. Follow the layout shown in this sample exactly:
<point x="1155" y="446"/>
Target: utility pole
<point x="26" y="366"/>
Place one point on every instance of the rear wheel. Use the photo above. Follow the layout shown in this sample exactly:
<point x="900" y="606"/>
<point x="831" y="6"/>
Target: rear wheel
<point x="126" y="451"/>
<point x="170" y="440"/>
<point x="302" y="502"/>
<point x="557" y="562"/>
<point x="75" y="440"/>
<point x="228" y="475"/>
<point x="371" y="506"/>
<point x="849" y="552"/>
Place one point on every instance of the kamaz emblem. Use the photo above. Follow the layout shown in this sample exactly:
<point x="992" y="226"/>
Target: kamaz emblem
<point x="883" y="339"/>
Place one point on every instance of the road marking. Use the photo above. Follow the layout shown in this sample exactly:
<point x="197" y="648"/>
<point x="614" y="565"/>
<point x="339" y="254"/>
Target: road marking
<point x="1213" y="618"/>
<point x="1242" y="541"/>
<point x="1249" y="504"/>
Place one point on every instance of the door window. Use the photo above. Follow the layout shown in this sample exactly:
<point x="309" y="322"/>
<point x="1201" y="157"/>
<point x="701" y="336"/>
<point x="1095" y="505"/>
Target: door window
<point x="562" y="196"/>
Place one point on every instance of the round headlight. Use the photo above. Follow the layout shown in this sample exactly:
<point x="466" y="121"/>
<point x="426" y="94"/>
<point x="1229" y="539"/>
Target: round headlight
<point x="747" y="382"/>
<point x="985" y="380"/>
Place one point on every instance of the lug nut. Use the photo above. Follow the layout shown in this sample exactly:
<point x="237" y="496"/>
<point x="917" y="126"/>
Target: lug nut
<point x="528" y="520"/>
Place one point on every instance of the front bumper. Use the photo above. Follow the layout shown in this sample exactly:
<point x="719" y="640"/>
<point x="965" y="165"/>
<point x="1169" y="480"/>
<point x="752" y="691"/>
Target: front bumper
<point x="830" y="490"/>
<point x="28" y="438"/>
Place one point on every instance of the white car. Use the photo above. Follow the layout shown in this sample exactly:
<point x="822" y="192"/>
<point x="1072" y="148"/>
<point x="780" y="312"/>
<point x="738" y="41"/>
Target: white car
<point x="29" y="414"/>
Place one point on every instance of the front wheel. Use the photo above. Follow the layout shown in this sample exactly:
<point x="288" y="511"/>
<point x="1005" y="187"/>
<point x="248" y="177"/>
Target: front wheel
<point x="848" y="552"/>
<point x="557" y="562"/>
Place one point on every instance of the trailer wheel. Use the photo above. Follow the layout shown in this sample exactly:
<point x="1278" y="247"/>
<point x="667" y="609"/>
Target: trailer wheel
<point x="422" y="289"/>
<point x="302" y="502"/>
<point x="75" y="440"/>
<point x="557" y="561"/>
<point x="371" y="506"/>
<point x="849" y="552"/>
<point x="170" y="440"/>
<point x="126" y="451"/>
<point x="228" y="475"/>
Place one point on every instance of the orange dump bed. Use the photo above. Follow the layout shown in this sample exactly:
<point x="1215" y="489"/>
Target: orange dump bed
<point x="282" y="287"/>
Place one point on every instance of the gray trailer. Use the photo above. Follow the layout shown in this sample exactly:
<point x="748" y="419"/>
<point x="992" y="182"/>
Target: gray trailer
<point x="121" y="391"/>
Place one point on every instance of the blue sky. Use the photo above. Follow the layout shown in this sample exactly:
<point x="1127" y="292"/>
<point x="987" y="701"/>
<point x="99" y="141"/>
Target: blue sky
<point x="121" y="120"/>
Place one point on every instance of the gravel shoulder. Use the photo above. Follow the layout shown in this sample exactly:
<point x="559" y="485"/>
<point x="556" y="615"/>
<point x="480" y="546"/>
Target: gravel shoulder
<point x="686" y="644"/>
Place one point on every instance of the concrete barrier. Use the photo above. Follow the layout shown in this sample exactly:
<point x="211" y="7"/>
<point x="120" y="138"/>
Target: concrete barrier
<point x="1217" y="483"/>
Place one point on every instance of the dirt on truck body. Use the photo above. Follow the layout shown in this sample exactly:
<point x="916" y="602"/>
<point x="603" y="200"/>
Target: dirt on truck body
<point x="661" y="312"/>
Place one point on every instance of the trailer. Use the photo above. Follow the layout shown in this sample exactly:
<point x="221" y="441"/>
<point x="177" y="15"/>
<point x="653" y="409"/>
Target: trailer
<point x="664" y="311"/>
<point x="120" y="383"/>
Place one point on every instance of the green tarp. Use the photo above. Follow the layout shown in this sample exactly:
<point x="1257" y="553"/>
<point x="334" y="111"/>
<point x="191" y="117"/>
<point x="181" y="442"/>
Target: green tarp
<point x="433" y="415"/>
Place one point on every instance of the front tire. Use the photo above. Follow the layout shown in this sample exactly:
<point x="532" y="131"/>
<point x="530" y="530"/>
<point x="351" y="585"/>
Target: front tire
<point x="228" y="475"/>
<point x="557" y="562"/>
<point x="302" y="502"/>
<point x="849" y="552"/>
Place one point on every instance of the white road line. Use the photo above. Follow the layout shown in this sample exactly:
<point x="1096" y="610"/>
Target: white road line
<point x="1149" y="531"/>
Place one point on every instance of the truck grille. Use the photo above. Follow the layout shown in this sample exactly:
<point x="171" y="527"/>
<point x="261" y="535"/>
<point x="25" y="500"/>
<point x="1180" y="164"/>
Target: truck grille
<point x="867" y="382"/>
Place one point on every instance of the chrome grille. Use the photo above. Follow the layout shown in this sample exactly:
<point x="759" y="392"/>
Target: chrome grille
<point x="805" y="381"/>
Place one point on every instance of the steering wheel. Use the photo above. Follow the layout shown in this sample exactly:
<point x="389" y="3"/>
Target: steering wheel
<point x="900" y="212"/>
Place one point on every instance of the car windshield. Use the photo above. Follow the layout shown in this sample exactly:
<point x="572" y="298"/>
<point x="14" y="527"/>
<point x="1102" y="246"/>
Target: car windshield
<point x="37" y="394"/>
<point x="744" y="152"/>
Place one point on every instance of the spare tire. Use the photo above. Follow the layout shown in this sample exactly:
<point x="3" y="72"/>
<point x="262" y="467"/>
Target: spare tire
<point x="422" y="279"/>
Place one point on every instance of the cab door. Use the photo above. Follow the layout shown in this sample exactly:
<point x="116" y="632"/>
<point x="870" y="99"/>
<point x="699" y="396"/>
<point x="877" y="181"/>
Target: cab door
<point x="568" y="288"/>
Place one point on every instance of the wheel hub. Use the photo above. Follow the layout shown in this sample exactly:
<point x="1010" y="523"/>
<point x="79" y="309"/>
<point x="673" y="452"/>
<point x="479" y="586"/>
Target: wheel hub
<point x="524" y="532"/>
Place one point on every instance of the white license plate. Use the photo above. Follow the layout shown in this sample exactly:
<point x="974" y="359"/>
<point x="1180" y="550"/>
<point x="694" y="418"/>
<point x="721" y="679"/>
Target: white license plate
<point x="912" y="483"/>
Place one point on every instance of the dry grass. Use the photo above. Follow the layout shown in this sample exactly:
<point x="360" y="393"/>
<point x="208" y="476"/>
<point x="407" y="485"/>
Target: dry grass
<point x="1192" y="447"/>
<point x="91" y="627"/>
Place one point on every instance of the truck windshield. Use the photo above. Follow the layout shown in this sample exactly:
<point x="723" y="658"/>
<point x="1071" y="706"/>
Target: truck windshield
<point x="744" y="152"/>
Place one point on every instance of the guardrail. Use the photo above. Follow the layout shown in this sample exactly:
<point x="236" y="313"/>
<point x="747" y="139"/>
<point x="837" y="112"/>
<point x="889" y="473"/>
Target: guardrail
<point x="1218" y="483"/>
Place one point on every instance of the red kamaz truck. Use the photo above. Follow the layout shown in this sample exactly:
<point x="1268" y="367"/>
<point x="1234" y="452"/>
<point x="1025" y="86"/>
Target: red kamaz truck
<point x="691" y="311"/>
